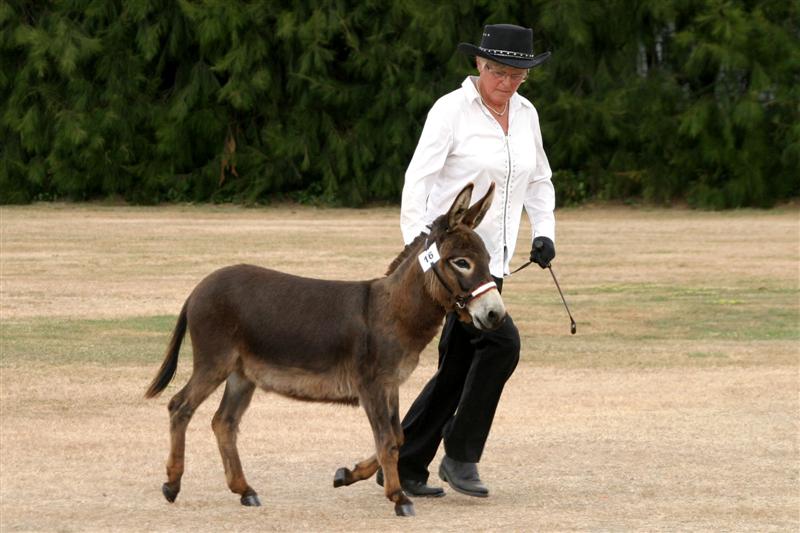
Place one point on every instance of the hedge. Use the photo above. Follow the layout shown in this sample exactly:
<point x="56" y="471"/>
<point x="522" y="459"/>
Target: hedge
<point x="235" y="100"/>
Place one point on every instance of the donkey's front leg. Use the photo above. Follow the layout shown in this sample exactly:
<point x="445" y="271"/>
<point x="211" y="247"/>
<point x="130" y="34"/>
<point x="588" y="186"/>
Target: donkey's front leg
<point x="375" y="400"/>
<point x="363" y="470"/>
<point x="394" y="416"/>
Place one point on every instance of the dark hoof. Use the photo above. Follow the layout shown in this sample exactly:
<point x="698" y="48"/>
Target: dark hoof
<point x="340" y="478"/>
<point x="251" y="500"/>
<point x="404" y="509"/>
<point x="169" y="493"/>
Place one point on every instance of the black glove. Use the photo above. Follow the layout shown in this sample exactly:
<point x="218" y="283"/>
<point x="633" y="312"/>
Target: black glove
<point x="543" y="251"/>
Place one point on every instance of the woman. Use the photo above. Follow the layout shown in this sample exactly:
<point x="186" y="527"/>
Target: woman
<point x="483" y="132"/>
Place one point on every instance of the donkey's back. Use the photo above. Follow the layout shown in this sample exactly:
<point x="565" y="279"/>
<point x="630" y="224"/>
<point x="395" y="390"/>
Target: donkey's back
<point x="278" y="318"/>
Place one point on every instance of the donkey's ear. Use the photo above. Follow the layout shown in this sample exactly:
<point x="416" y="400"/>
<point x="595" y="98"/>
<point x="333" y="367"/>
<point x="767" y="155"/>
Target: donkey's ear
<point x="475" y="213"/>
<point x="459" y="207"/>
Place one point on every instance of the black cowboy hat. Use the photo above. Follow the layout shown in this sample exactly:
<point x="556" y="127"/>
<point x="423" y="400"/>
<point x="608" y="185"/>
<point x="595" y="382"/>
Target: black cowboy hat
<point x="507" y="44"/>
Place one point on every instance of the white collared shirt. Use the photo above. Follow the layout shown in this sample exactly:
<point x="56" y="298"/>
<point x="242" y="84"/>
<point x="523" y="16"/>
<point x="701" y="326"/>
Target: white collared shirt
<point x="460" y="143"/>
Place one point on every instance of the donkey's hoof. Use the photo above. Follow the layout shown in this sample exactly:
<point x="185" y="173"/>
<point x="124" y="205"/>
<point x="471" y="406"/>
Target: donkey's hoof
<point x="340" y="477"/>
<point x="251" y="500"/>
<point x="169" y="493"/>
<point x="404" y="509"/>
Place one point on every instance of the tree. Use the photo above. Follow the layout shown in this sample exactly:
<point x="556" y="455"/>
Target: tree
<point x="242" y="100"/>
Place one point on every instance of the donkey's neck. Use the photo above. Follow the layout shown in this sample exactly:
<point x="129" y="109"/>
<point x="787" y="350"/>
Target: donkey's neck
<point x="410" y="305"/>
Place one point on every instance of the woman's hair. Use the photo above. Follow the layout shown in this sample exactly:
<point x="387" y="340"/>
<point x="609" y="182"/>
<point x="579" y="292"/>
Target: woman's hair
<point x="480" y="61"/>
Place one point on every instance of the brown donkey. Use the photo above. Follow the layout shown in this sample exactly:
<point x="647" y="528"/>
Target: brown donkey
<point x="327" y="341"/>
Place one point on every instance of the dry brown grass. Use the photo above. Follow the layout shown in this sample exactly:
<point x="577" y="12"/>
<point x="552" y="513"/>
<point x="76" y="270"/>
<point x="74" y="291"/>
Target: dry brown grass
<point x="675" y="407"/>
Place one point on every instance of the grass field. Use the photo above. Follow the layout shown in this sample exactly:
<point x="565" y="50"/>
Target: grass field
<point x="675" y="407"/>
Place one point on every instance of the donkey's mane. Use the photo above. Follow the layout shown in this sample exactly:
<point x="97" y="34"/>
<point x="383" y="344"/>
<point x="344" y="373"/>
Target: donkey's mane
<point x="404" y="254"/>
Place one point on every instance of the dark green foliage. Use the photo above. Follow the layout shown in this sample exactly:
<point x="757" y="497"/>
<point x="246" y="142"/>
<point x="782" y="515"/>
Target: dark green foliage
<point x="242" y="100"/>
<point x="668" y="99"/>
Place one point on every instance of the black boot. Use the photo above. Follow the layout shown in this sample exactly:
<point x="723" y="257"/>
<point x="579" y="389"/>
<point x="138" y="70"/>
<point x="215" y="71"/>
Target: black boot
<point x="463" y="477"/>
<point x="414" y="488"/>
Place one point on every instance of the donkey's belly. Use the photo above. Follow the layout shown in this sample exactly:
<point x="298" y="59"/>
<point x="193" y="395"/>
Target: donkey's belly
<point x="333" y="385"/>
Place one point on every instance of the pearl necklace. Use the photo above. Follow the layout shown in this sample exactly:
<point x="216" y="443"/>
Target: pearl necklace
<point x="490" y="108"/>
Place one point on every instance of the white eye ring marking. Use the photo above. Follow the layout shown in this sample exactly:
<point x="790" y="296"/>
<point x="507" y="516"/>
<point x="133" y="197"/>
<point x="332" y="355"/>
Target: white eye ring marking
<point x="461" y="264"/>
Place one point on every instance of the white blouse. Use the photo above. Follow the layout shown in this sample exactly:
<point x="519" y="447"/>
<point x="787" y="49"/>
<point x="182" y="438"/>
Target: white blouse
<point x="460" y="143"/>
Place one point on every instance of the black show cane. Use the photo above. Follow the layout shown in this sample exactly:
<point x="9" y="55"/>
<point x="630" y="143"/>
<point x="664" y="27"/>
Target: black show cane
<point x="573" y="327"/>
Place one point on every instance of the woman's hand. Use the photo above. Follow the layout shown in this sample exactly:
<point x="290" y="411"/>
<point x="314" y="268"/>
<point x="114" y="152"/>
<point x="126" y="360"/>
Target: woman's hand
<point x="543" y="251"/>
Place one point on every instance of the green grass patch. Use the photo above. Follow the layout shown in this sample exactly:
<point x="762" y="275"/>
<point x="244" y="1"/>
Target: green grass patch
<point x="66" y="341"/>
<point x="703" y="355"/>
<point x="741" y="314"/>
<point x="647" y="312"/>
<point x="647" y="325"/>
<point x="636" y="325"/>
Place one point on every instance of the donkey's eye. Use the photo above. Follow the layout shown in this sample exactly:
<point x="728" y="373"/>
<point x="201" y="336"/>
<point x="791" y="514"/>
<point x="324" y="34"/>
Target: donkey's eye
<point x="462" y="263"/>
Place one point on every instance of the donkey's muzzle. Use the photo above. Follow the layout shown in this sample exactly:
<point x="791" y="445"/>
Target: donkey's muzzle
<point x="492" y="322"/>
<point x="487" y="311"/>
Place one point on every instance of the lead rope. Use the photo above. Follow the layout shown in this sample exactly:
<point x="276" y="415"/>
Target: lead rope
<point x="520" y="268"/>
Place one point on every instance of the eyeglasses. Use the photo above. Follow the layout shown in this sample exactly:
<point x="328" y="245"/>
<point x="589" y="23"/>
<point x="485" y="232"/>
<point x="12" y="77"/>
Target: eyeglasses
<point x="499" y="74"/>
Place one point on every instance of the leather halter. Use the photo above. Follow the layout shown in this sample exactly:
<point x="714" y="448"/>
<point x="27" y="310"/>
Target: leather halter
<point x="466" y="295"/>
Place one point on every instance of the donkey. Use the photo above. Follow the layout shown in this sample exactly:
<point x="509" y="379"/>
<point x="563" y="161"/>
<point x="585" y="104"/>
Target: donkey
<point x="351" y="342"/>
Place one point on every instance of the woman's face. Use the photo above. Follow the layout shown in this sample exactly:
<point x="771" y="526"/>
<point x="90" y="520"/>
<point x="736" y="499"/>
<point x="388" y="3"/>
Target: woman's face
<point x="499" y="82"/>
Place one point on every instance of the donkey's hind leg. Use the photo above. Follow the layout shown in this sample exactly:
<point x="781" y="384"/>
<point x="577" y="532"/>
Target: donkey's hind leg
<point x="238" y="393"/>
<point x="181" y="408"/>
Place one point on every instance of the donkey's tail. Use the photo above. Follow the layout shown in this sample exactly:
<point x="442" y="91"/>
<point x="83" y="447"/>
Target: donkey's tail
<point x="170" y="364"/>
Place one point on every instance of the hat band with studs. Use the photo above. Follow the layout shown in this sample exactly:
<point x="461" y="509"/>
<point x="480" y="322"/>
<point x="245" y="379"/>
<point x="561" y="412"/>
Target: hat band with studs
<point x="505" y="53"/>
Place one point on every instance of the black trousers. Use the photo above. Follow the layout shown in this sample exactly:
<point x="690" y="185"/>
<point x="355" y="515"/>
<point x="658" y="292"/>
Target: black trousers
<point x="459" y="402"/>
